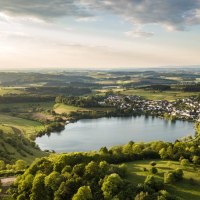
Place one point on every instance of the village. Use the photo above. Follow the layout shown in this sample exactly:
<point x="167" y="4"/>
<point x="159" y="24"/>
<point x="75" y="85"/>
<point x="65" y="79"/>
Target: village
<point x="185" y="109"/>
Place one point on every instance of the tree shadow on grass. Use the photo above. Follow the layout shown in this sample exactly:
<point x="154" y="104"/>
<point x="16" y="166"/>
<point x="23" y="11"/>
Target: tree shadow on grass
<point x="165" y="168"/>
<point x="185" y="190"/>
<point x="136" y="174"/>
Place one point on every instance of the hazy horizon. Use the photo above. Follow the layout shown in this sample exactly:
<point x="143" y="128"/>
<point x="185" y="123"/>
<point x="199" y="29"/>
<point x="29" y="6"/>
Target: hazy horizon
<point x="92" y="34"/>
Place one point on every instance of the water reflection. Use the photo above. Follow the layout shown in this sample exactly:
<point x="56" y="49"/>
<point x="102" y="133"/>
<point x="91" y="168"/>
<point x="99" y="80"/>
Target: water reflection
<point x="91" y="134"/>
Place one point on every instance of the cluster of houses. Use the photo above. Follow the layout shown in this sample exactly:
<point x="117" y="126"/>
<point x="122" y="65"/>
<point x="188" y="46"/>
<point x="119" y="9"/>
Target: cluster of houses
<point x="187" y="109"/>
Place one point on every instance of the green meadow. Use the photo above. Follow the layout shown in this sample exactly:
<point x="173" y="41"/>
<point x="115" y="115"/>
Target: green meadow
<point x="186" y="189"/>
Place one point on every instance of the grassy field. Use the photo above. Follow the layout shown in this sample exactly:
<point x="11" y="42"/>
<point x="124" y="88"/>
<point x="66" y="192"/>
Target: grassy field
<point x="13" y="135"/>
<point x="185" y="189"/>
<point x="62" y="108"/>
<point x="26" y="107"/>
<point x="40" y="111"/>
<point x="20" y="124"/>
<point x="26" y="127"/>
<point x="11" y="90"/>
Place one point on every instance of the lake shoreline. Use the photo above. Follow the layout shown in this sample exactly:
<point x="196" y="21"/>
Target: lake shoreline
<point x="152" y="124"/>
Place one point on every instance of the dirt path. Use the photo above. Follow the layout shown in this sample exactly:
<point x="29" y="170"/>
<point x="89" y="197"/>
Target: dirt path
<point x="7" y="181"/>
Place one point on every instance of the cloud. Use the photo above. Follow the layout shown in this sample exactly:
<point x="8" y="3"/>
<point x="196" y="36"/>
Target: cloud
<point x="139" y="34"/>
<point x="87" y="19"/>
<point x="171" y="14"/>
<point x="11" y="33"/>
<point x="43" y="9"/>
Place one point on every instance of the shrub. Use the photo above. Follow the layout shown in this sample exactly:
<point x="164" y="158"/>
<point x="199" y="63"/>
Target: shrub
<point x="142" y="196"/>
<point x="178" y="174"/>
<point x="2" y="165"/>
<point x="153" y="170"/>
<point x="169" y="177"/>
<point x="153" y="183"/>
<point x="185" y="162"/>
<point x="196" y="160"/>
<point x="144" y="169"/>
<point x="152" y="163"/>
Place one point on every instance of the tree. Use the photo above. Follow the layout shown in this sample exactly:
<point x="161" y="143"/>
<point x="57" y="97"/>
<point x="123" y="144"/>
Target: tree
<point x="79" y="169"/>
<point x="137" y="148"/>
<point x="2" y="165"/>
<point x="178" y="174"/>
<point x="83" y="193"/>
<point x="153" y="183"/>
<point x="67" y="169"/>
<point x="53" y="181"/>
<point x="103" y="151"/>
<point x="152" y="163"/>
<point x="20" y="165"/>
<point x="111" y="185"/>
<point x="173" y="176"/>
<point x="104" y="167"/>
<point x="170" y="151"/>
<point x="196" y="160"/>
<point x="0" y="185"/>
<point x="164" y="195"/>
<point x="163" y="153"/>
<point x="153" y="170"/>
<point x="128" y="148"/>
<point x="185" y="162"/>
<point x="142" y="196"/>
<point x="169" y="177"/>
<point x="92" y="170"/>
<point x="9" y="167"/>
<point x="62" y="191"/>
<point x="25" y="185"/>
<point x="67" y="189"/>
<point x="38" y="191"/>
<point x="21" y="197"/>
<point x="150" y="181"/>
<point x="122" y="170"/>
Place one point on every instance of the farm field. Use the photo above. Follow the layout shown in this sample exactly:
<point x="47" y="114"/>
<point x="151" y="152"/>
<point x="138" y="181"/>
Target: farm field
<point x="157" y="95"/>
<point x="11" y="91"/>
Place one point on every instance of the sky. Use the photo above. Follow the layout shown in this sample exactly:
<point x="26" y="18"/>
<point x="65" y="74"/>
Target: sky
<point x="99" y="33"/>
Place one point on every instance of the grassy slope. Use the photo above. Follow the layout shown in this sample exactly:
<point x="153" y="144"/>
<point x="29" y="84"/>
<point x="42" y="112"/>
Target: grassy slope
<point x="184" y="189"/>
<point x="26" y="107"/>
<point x="16" y="128"/>
<point x="62" y="108"/>
<point x="26" y="127"/>
<point x="19" y="129"/>
<point x="20" y="148"/>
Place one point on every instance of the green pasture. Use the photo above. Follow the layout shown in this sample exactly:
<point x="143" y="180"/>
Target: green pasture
<point x="25" y="126"/>
<point x="11" y="90"/>
<point x="187" y="189"/>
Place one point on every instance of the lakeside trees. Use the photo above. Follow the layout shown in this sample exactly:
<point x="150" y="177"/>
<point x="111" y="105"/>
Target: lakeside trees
<point x="100" y="175"/>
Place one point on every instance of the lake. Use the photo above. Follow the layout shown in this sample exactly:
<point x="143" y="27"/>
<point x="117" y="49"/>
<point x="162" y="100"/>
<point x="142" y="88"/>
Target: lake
<point x="92" y="134"/>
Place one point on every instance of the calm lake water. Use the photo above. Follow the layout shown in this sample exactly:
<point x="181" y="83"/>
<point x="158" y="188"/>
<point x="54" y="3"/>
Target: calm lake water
<point x="92" y="134"/>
